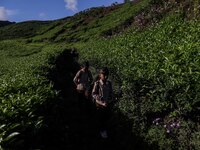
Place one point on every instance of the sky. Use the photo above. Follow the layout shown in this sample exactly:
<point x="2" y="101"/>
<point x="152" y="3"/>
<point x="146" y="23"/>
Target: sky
<point x="26" y="10"/>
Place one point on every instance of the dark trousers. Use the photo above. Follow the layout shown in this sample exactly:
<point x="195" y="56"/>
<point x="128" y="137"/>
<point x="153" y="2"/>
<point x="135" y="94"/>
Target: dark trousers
<point x="81" y="99"/>
<point x="85" y="103"/>
<point x="102" y="116"/>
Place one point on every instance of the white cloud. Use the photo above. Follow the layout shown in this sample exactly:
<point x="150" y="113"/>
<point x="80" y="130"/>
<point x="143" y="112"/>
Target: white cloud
<point x="12" y="12"/>
<point x="71" y="5"/>
<point x="42" y="15"/>
<point x="3" y="13"/>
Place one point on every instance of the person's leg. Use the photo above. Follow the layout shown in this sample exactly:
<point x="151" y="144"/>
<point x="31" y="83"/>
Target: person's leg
<point x="102" y="121"/>
<point x="89" y="105"/>
<point x="87" y="95"/>
<point x="80" y="99"/>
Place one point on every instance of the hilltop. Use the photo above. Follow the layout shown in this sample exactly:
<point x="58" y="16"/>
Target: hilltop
<point x="5" y="23"/>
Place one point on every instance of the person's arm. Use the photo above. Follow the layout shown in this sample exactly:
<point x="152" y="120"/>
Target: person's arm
<point x="76" y="78"/>
<point x="104" y="104"/>
<point x="95" y="92"/>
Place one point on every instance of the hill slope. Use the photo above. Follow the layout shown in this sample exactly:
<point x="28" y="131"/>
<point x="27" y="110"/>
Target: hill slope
<point x="92" y="22"/>
<point x="152" y="50"/>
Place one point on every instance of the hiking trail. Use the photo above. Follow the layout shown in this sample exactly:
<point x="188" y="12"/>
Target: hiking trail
<point x="68" y="127"/>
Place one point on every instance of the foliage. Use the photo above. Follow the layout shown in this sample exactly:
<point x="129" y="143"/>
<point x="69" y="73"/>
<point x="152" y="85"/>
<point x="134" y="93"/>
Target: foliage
<point x="157" y="69"/>
<point x="5" y="23"/>
<point x="24" y="89"/>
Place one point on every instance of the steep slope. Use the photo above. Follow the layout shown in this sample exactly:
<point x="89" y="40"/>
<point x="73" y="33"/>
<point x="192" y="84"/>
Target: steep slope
<point x="89" y="23"/>
<point x="99" y="21"/>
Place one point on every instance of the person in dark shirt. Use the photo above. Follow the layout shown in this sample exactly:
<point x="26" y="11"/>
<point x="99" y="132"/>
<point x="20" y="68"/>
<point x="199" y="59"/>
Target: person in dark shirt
<point x="103" y="95"/>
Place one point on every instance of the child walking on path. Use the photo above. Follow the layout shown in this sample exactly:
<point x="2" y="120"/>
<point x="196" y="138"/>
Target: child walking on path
<point x="103" y="95"/>
<point x="83" y="80"/>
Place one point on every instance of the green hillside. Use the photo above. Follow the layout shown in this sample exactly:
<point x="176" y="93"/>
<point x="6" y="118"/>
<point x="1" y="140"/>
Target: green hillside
<point x="152" y="50"/>
<point x="5" y="23"/>
<point x="91" y="22"/>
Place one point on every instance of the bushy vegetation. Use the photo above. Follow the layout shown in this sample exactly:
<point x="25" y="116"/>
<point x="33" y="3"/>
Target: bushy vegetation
<point x="159" y="71"/>
<point x="5" y="23"/>
<point x="24" y="89"/>
<point x="151" y="48"/>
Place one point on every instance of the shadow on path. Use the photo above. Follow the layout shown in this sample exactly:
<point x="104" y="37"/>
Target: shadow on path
<point x="68" y="127"/>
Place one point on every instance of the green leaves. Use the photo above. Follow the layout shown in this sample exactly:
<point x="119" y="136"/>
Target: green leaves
<point x="10" y="136"/>
<point x="23" y="88"/>
<point x="159" y="70"/>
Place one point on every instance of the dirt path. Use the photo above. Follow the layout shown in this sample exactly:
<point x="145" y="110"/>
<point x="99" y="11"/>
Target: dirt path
<point x="67" y="127"/>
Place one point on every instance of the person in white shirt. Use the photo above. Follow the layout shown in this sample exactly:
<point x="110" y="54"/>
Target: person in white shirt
<point x="83" y="80"/>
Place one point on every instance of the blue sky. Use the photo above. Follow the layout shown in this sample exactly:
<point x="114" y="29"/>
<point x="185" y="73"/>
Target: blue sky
<point x="24" y="10"/>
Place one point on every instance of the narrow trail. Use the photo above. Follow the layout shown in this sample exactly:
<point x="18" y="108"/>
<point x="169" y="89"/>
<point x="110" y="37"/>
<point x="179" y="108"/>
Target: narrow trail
<point x="68" y="127"/>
